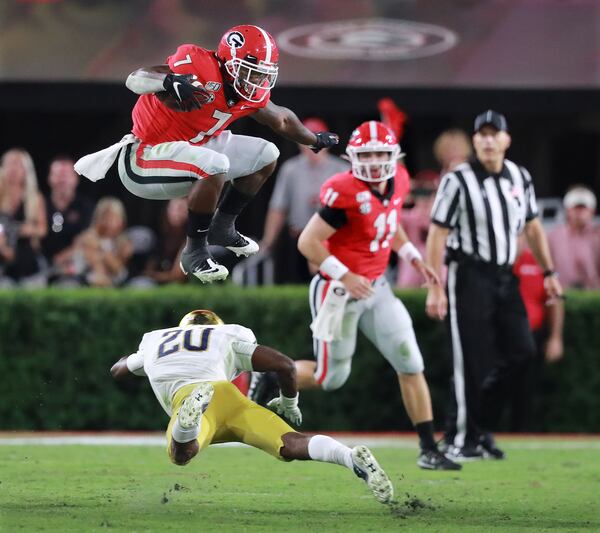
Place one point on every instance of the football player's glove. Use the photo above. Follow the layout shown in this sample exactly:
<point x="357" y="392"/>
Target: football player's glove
<point x="287" y="407"/>
<point x="188" y="93"/>
<point x="325" y="139"/>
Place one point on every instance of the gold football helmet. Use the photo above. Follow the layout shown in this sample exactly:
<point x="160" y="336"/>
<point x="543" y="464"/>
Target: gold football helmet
<point x="201" y="317"/>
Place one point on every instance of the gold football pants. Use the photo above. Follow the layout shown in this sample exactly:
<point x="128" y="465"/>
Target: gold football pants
<point x="231" y="417"/>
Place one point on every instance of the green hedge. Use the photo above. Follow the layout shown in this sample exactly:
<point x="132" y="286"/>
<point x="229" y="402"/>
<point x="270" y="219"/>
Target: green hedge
<point x="57" y="347"/>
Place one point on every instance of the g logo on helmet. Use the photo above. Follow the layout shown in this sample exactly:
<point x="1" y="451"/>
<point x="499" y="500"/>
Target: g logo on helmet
<point x="235" y="39"/>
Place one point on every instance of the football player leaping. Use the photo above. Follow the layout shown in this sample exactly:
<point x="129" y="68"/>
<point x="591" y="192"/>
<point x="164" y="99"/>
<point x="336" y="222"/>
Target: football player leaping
<point x="179" y="146"/>
<point x="190" y="368"/>
<point x="351" y="238"/>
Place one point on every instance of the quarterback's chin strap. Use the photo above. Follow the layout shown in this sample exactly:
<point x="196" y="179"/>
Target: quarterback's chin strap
<point x="327" y="325"/>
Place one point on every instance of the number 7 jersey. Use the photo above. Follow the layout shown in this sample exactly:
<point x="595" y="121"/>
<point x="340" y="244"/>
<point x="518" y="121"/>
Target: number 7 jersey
<point x="174" y="357"/>
<point x="155" y="123"/>
<point x="366" y="220"/>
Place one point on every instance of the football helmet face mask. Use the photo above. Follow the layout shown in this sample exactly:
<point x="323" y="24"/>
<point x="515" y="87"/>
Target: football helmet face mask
<point x="249" y="55"/>
<point x="201" y="317"/>
<point x="373" y="151"/>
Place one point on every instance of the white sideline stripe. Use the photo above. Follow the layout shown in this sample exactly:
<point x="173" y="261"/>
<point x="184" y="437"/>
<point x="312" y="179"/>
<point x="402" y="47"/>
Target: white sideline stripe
<point x="350" y="440"/>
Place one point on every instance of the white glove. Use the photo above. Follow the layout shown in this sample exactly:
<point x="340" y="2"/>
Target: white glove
<point x="287" y="407"/>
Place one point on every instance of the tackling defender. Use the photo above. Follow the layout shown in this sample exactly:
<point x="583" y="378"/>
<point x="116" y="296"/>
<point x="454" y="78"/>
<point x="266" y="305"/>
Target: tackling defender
<point x="179" y="146"/>
<point x="190" y="368"/>
<point x="351" y="238"/>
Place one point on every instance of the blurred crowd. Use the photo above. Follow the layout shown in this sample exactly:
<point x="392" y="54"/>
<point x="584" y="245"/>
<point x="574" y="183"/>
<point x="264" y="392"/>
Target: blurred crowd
<point x="62" y="238"/>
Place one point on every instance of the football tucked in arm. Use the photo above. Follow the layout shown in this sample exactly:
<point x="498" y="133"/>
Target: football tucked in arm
<point x="184" y="92"/>
<point x="170" y="101"/>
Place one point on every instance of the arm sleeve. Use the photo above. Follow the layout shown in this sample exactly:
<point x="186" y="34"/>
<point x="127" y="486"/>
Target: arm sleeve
<point x="135" y="364"/>
<point x="243" y="354"/>
<point x="243" y="345"/>
<point x="531" y="208"/>
<point x="445" y="207"/>
<point x="336" y="218"/>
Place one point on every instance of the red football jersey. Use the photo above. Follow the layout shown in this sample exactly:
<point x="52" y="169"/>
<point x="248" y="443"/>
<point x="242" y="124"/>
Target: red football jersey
<point x="363" y="243"/>
<point x="531" y="285"/>
<point x="154" y="122"/>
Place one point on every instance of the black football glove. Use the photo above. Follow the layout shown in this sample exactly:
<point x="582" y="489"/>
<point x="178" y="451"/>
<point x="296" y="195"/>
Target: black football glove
<point x="188" y="96"/>
<point x="325" y="139"/>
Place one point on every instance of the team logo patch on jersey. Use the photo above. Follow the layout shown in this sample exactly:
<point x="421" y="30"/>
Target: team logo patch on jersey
<point x="235" y="39"/>
<point x="365" y="208"/>
<point x="212" y="85"/>
<point x="363" y="196"/>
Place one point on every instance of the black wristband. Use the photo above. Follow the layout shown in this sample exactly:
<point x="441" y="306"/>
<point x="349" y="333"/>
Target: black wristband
<point x="548" y="273"/>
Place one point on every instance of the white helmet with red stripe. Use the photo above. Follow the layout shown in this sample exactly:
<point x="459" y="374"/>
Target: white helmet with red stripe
<point x="249" y="55"/>
<point x="373" y="151"/>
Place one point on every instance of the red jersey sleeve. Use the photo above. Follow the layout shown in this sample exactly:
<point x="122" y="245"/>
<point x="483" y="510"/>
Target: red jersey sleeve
<point x="188" y="59"/>
<point x="335" y="192"/>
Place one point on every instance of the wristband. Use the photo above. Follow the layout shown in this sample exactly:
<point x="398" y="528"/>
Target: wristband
<point x="408" y="251"/>
<point x="333" y="267"/>
<point x="548" y="273"/>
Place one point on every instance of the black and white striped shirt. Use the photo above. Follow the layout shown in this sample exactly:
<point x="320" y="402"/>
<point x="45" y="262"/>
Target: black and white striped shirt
<point x="485" y="212"/>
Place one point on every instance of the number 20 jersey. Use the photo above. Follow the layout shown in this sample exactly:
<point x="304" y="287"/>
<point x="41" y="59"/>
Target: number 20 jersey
<point x="363" y="241"/>
<point x="178" y="356"/>
<point x="155" y="123"/>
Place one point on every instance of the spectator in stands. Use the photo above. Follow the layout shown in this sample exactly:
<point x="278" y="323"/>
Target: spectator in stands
<point x="575" y="245"/>
<point x="296" y="198"/>
<point x="8" y="241"/>
<point x="68" y="213"/>
<point x="21" y="200"/>
<point x="415" y="222"/>
<point x="101" y="253"/>
<point x="451" y="148"/>
<point x="164" y="266"/>
<point x="546" y="320"/>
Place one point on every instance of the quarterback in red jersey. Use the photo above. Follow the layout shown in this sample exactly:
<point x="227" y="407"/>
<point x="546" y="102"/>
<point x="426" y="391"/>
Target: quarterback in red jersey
<point x="179" y="145"/>
<point x="351" y="238"/>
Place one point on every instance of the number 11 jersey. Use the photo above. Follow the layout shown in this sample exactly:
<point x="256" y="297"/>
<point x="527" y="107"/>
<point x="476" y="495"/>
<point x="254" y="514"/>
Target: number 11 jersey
<point x="366" y="221"/>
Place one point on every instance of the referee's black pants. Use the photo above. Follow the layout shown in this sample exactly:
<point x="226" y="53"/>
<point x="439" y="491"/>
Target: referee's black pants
<point x="491" y="343"/>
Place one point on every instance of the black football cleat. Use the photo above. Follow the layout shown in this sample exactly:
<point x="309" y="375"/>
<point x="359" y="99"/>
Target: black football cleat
<point x="488" y="445"/>
<point x="465" y="454"/>
<point x="199" y="263"/>
<point x="233" y="240"/>
<point x="264" y="386"/>
<point x="436" y="460"/>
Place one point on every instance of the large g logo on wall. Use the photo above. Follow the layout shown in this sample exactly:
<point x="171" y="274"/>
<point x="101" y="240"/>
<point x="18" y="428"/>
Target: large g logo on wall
<point x="367" y="39"/>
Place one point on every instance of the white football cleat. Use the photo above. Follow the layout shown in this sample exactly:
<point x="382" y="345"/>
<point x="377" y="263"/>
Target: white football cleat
<point x="244" y="246"/>
<point x="207" y="272"/>
<point x="194" y="405"/>
<point x="366" y="467"/>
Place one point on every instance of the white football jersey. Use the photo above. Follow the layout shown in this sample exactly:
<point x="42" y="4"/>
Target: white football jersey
<point x="174" y="357"/>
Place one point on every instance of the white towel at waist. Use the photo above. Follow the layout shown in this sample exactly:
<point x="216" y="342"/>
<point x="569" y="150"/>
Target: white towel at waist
<point x="327" y="325"/>
<point x="95" y="166"/>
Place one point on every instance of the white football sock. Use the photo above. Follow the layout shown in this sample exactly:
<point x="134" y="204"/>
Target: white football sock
<point x="182" y="435"/>
<point x="328" y="450"/>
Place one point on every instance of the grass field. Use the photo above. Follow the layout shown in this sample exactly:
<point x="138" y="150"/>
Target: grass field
<point x="545" y="485"/>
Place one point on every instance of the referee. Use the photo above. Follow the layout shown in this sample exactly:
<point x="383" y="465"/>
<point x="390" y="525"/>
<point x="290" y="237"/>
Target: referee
<point x="480" y="209"/>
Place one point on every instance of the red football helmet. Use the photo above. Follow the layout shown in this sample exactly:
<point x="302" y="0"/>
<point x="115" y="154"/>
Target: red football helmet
<point x="250" y="57"/>
<point x="380" y="148"/>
